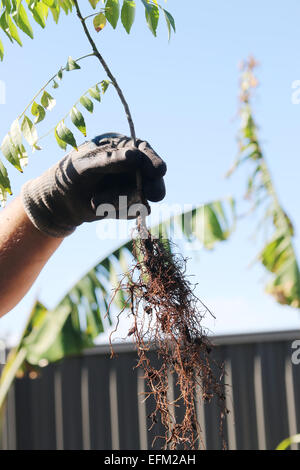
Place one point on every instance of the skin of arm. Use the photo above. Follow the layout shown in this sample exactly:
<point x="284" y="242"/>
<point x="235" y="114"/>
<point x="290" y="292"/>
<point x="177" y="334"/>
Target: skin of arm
<point x="24" y="251"/>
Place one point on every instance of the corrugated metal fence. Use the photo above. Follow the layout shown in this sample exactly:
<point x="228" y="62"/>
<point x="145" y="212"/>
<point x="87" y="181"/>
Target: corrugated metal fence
<point x="93" y="402"/>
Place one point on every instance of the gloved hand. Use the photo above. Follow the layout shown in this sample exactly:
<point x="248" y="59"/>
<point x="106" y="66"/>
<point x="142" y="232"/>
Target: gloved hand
<point x="70" y="192"/>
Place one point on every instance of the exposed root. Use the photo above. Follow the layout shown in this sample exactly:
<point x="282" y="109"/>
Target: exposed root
<point x="167" y="316"/>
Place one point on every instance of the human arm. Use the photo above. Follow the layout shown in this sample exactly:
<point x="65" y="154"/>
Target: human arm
<point x="68" y="194"/>
<point x="24" y="250"/>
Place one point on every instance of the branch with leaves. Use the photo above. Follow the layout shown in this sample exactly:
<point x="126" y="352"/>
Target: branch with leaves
<point x="14" y="16"/>
<point x="278" y="255"/>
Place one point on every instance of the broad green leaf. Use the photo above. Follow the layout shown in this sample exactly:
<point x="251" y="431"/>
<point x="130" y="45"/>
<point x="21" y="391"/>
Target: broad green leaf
<point x="72" y="65"/>
<point x="10" y="151"/>
<point x="4" y="180"/>
<point x="94" y="3"/>
<point x="13" y="31"/>
<point x="38" y="111"/>
<point x="15" y="133"/>
<point x="152" y="17"/>
<point x="78" y="120"/>
<point x="66" y="5"/>
<point x="87" y="103"/>
<point x="99" y="22"/>
<point x="1" y="50"/>
<point x="9" y="373"/>
<point x="95" y="93"/>
<point x="112" y="12"/>
<point x="55" y="13"/>
<point x="23" y="155"/>
<point x="288" y="442"/>
<point x="7" y="5"/>
<point x="47" y="101"/>
<point x="65" y="134"/>
<point x="170" y="22"/>
<point x="21" y="20"/>
<point x="42" y="338"/>
<point x="146" y="5"/>
<point x="4" y="25"/>
<point x="29" y="131"/>
<point x="60" y="142"/>
<point x="50" y="3"/>
<point x="128" y="14"/>
<point x="39" y="13"/>
<point x="105" y="84"/>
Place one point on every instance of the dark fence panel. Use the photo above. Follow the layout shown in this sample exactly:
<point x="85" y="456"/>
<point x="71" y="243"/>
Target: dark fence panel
<point x="94" y="402"/>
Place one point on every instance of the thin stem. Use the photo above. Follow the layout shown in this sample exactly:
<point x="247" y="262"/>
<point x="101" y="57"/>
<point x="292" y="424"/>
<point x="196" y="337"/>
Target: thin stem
<point x="141" y="223"/>
<point x="48" y="82"/>
<point x="108" y="72"/>
<point x="91" y="16"/>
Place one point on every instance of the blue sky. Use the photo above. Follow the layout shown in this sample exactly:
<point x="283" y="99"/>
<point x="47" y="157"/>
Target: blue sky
<point x="183" y="97"/>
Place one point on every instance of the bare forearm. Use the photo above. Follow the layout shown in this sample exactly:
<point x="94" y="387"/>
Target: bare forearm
<point x="24" y="250"/>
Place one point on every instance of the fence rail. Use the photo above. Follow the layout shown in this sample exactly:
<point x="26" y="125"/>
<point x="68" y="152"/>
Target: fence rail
<point x="93" y="402"/>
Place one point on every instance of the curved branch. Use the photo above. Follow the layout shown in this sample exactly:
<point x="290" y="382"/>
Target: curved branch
<point x="108" y="71"/>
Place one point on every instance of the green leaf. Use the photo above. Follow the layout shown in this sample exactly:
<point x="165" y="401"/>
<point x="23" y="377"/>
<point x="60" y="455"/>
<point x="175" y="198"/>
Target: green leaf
<point x="105" y="84"/>
<point x="21" y="20"/>
<point x="112" y="12"/>
<point x="147" y="5"/>
<point x="94" y="3"/>
<point x="42" y="338"/>
<point x="170" y="22"/>
<point x="152" y="17"/>
<point x="99" y="22"/>
<point x="87" y="103"/>
<point x="60" y="74"/>
<point x="65" y="135"/>
<point x="29" y="131"/>
<point x="39" y="13"/>
<point x="13" y="31"/>
<point x="66" y="5"/>
<point x="78" y="120"/>
<point x="128" y="14"/>
<point x="60" y="142"/>
<point x="55" y="13"/>
<point x="4" y="180"/>
<point x="1" y="50"/>
<point x="15" y="133"/>
<point x="288" y="442"/>
<point x="15" y="361"/>
<point x="72" y="65"/>
<point x="95" y="93"/>
<point x="47" y="101"/>
<point x="38" y="111"/>
<point x="50" y="3"/>
<point x="10" y="151"/>
<point x="4" y="25"/>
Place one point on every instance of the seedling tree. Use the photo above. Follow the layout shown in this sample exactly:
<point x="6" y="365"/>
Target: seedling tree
<point x="277" y="255"/>
<point x="165" y="311"/>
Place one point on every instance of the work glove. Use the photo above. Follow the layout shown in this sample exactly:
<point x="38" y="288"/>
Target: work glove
<point x="97" y="181"/>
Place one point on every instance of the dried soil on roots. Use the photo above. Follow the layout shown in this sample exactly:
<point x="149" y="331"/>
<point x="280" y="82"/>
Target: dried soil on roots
<point x="167" y="315"/>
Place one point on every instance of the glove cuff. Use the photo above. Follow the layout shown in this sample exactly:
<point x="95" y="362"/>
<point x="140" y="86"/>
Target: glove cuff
<point x="40" y="207"/>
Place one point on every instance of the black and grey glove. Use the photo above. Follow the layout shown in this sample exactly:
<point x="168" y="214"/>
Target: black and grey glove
<point x="86" y="183"/>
